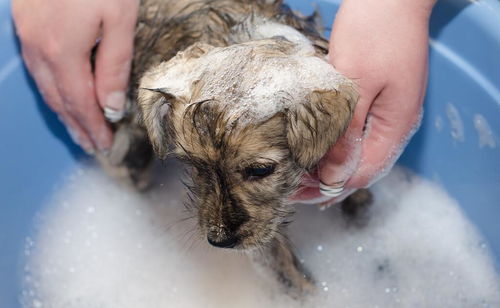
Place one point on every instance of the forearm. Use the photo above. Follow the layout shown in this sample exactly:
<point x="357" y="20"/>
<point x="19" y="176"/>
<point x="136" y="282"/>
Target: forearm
<point x="397" y="25"/>
<point x="416" y="8"/>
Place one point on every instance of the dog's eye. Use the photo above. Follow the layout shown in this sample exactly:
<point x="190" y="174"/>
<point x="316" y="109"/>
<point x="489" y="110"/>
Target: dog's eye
<point x="258" y="172"/>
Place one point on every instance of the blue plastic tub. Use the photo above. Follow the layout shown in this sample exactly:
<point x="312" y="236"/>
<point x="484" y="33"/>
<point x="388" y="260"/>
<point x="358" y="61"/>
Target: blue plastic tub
<point x="453" y="146"/>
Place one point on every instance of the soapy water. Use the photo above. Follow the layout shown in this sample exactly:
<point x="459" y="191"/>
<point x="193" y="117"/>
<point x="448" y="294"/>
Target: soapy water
<point x="100" y="245"/>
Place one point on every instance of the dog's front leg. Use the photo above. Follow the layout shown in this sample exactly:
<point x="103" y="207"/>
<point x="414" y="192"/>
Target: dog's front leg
<point x="130" y="158"/>
<point x="279" y="259"/>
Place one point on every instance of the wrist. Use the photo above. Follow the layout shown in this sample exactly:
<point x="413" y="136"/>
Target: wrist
<point x="420" y="9"/>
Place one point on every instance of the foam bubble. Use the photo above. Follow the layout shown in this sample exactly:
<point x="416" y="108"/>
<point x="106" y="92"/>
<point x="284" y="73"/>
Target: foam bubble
<point x="438" y="123"/>
<point x="100" y="245"/>
<point x="457" y="126"/>
<point x="267" y="29"/>
<point x="484" y="132"/>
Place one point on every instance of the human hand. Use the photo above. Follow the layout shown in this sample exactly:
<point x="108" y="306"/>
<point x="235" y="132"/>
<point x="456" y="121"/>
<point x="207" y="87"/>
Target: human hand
<point x="57" y="38"/>
<point x="383" y="46"/>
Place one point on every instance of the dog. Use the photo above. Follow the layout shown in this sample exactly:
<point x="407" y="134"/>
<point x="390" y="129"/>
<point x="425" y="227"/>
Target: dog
<point x="241" y="92"/>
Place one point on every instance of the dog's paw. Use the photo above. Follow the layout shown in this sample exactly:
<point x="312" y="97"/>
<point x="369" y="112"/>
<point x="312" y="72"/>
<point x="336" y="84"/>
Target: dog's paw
<point x="129" y="159"/>
<point x="299" y="284"/>
<point x="280" y="263"/>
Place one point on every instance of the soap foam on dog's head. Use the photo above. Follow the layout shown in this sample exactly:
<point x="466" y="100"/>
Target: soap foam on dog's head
<point x="99" y="245"/>
<point x="255" y="80"/>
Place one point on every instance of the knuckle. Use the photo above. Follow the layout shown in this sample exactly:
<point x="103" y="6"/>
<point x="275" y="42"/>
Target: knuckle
<point x="83" y="115"/>
<point x="120" y="63"/>
<point x="49" y="47"/>
<point x="76" y="110"/>
<point x="52" y="49"/>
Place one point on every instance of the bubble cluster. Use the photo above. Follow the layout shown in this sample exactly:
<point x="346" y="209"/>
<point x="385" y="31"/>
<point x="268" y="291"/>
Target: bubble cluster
<point x="417" y="250"/>
<point x="484" y="132"/>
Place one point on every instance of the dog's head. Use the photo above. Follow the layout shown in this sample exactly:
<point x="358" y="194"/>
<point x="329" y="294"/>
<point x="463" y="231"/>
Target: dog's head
<point x="249" y="120"/>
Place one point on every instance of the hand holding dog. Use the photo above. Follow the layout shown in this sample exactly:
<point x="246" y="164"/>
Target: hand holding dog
<point x="57" y="39"/>
<point x="383" y="47"/>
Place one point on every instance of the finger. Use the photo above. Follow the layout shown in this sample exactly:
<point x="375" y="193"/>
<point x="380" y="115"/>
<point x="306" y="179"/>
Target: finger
<point x="46" y="84"/>
<point x="113" y="62"/>
<point x="328" y="203"/>
<point x="76" y="132"/>
<point x="338" y="165"/>
<point x="308" y="188"/>
<point x="387" y="134"/>
<point x="74" y="81"/>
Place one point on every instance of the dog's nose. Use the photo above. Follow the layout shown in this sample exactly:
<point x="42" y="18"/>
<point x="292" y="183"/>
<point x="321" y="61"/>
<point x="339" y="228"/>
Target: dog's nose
<point x="228" y="242"/>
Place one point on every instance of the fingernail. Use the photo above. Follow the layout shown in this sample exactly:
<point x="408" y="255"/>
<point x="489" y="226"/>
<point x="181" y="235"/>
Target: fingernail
<point x="90" y="151"/>
<point x="103" y="140"/>
<point x="105" y="153"/>
<point x="333" y="190"/>
<point x="115" y="105"/>
<point x="86" y="146"/>
<point x="113" y="115"/>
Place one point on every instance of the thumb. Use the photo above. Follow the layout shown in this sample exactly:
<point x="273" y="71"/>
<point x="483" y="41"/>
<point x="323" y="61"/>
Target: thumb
<point x="113" y="63"/>
<point x="341" y="161"/>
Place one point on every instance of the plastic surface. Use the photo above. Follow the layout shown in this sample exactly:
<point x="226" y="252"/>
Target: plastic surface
<point x="36" y="151"/>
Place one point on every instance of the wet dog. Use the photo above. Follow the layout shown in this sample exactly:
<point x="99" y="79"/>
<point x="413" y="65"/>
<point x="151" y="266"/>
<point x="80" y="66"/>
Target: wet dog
<point x="241" y="92"/>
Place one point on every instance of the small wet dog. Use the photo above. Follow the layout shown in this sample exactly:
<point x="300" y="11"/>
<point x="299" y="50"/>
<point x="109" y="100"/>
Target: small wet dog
<point x="240" y="91"/>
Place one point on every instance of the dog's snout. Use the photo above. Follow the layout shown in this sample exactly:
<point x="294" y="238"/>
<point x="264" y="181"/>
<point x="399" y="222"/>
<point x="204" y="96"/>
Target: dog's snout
<point x="229" y="242"/>
<point x="222" y="242"/>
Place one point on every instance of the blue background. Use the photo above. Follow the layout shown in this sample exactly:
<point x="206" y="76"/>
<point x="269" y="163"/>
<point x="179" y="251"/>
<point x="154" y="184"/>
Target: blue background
<point x="35" y="150"/>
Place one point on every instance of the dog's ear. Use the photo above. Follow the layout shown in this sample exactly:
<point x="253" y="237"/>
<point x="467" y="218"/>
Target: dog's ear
<point x="315" y="125"/>
<point x="162" y="87"/>
<point x="155" y="106"/>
